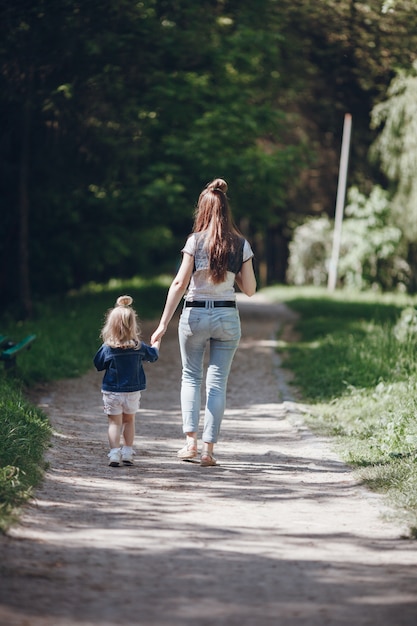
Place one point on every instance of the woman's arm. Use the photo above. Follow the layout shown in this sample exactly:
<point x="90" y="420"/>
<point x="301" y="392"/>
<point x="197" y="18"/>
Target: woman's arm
<point x="245" y="279"/>
<point x="176" y="291"/>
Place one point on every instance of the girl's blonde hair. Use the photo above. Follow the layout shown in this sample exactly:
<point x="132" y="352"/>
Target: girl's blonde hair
<point x="121" y="328"/>
<point x="214" y="217"/>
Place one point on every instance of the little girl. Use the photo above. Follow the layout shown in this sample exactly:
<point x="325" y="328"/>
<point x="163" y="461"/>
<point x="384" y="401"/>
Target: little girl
<point x="121" y="356"/>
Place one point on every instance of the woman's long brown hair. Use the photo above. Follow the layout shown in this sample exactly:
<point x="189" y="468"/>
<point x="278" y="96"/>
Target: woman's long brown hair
<point x="213" y="217"/>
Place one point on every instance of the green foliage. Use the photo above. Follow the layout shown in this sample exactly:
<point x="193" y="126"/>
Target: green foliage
<point x="24" y="436"/>
<point x="119" y="112"/>
<point x="310" y="250"/>
<point x="371" y="244"/>
<point x="133" y="108"/>
<point x="67" y="330"/>
<point x="405" y="330"/>
<point x="355" y="365"/>
<point x="370" y="250"/>
<point x="396" y="147"/>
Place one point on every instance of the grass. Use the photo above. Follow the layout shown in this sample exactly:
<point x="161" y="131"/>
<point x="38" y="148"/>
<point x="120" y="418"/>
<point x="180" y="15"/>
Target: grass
<point x="24" y="435"/>
<point x="358" y="374"/>
<point x="67" y="331"/>
<point x="357" y="377"/>
<point x="67" y="328"/>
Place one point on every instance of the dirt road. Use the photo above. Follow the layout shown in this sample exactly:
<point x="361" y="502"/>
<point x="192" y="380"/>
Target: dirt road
<point x="279" y="533"/>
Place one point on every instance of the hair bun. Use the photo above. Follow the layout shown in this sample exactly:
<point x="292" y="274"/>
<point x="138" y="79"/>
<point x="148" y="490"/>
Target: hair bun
<point x="124" y="301"/>
<point x="218" y="183"/>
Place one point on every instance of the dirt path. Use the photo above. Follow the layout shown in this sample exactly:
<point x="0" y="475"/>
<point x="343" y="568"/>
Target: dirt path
<point x="280" y="533"/>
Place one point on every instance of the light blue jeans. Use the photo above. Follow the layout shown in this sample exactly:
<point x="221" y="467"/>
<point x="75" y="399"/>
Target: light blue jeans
<point x="218" y="328"/>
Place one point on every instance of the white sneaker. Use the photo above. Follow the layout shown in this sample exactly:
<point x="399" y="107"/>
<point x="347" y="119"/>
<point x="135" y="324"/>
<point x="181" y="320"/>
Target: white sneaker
<point x="115" y="457"/>
<point x="127" y="455"/>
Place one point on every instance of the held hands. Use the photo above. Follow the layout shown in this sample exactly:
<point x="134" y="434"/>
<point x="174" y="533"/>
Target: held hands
<point x="156" y="344"/>
<point x="157" y="335"/>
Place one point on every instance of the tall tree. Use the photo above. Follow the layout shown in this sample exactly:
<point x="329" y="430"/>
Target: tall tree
<point x="396" y="150"/>
<point x="131" y="102"/>
<point x="131" y="107"/>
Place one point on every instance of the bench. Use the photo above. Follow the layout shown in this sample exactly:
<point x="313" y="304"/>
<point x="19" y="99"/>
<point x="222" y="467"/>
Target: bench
<point x="9" y="349"/>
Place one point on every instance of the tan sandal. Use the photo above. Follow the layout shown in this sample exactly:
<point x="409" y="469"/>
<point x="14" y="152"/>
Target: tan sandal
<point x="189" y="451"/>
<point x="207" y="460"/>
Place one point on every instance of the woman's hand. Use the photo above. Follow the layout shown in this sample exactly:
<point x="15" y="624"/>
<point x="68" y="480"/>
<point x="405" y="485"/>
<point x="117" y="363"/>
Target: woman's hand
<point x="156" y="344"/>
<point x="158" y="334"/>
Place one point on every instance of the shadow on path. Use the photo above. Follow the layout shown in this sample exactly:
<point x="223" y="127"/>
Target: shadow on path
<point x="279" y="533"/>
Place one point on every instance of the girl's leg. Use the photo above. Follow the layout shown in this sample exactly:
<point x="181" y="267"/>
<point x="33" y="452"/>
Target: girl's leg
<point x="130" y="405"/>
<point x="128" y="438"/>
<point x="128" y="427"/>
<point x="115" y="430"/>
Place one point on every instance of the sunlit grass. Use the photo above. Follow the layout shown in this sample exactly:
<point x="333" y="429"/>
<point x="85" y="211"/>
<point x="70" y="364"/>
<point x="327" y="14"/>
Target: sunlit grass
<point x="24" y="435"/>
<point x="360" y="383"/>
<point x="67" y="328"/>
<point x="357" y="378"/>
<point x="67" y="337"/>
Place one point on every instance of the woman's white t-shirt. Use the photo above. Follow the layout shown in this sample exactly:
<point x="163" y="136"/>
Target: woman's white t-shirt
<point x="200" y="287"/>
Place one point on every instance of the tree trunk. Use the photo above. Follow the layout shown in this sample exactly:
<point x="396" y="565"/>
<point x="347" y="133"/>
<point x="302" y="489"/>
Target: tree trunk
<point x="276" y="255"/>
<point x="412" y="261"/>
<point x="23" y="202"/>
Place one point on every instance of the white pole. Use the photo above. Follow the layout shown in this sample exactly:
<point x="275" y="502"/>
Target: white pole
<point x="340" y="201"/>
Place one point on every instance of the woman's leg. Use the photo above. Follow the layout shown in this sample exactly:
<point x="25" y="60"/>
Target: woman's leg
<point x="128" y="427"/>
<point x="221" y="357"/>
<point x="193" y="336"/>
<point x="130" y="403"/>
<point x="223" y="345"/>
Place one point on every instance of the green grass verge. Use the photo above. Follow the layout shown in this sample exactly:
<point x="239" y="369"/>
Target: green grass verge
<point x="358" y="374"/>
<point x="67" y="331"/>
<point x="67" y="328"/>
<point x="24" y="436"/>
<point x="359" y="380"/>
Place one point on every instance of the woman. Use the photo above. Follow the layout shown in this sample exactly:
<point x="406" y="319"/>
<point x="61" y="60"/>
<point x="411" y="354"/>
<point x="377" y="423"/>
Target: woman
<point x="215" y="256"/>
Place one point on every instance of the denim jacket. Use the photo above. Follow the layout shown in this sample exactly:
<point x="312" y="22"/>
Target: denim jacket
<point x="123" y="367"/>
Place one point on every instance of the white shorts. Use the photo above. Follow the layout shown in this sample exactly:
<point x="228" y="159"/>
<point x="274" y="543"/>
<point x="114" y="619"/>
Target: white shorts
<point x="116" y="403"/>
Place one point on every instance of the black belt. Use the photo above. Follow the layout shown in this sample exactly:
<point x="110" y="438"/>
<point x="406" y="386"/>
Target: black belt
<point x="215" y="303"/>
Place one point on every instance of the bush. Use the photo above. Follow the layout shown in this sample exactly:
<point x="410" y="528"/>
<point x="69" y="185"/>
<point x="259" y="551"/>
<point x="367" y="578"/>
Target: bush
<point x="310" y="250"/>
<point x="370" y="250"/>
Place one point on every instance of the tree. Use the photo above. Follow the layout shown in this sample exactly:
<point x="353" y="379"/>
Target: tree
<point x="371" y="254"/>
<point x="129" y="103"/>
<point x="396" y="150"/>
<point x="130" y="108"/>
<point x="396" y="147"/>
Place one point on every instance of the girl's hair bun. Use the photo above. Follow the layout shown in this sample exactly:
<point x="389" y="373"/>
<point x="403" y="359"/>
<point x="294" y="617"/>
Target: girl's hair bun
<point x="218" y="184"/>
<point x="124" y="301"/>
